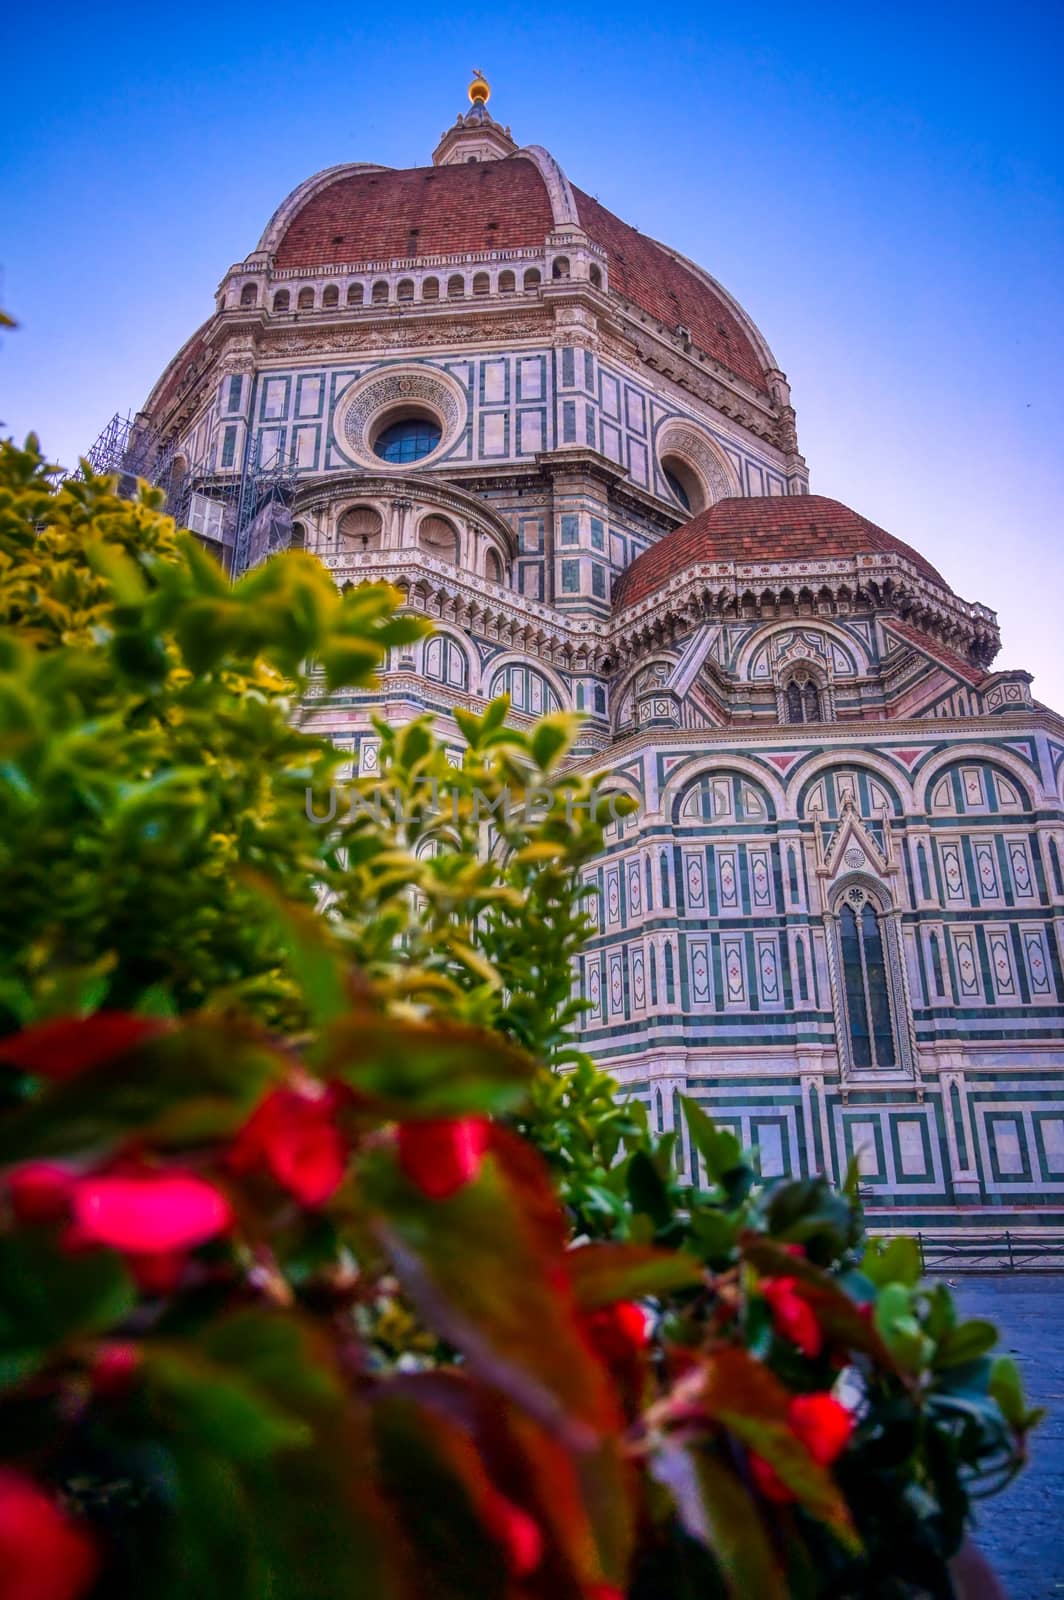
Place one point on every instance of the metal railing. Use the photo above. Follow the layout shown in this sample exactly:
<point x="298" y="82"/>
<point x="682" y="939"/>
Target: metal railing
<point x="1001" y="1252"/>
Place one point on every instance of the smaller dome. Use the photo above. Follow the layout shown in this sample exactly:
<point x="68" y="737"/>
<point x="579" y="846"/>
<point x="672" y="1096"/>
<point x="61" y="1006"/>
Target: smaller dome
<point x="778" y="528"/>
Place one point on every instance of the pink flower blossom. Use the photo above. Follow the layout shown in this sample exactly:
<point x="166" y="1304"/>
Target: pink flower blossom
<point x="152" y="1214"/>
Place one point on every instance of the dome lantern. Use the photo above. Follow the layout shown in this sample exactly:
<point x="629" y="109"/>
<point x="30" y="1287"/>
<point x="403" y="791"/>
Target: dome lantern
<point x="476" y="136"/>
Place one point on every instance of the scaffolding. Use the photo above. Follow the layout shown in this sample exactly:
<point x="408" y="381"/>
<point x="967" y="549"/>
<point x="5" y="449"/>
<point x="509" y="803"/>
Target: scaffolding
<point x="242" y="516"/>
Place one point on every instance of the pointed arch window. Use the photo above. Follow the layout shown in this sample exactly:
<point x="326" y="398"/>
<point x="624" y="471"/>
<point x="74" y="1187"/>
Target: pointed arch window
<point x="802" y="700"/>
<point x="866" y="983"/>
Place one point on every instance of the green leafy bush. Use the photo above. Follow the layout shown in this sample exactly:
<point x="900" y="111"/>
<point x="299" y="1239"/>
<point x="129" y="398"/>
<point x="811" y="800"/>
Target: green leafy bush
<point x="318" y="1277"/>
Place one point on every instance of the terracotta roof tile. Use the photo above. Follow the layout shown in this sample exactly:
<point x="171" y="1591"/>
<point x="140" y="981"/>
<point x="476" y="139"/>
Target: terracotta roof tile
<point x="644" y="272"/>
<point x="370" y="216"/>
<point x="938" y="652"/>
<point x="794" y="528"/>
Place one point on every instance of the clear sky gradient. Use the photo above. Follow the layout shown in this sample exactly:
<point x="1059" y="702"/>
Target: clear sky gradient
<point x="879" y="186"/>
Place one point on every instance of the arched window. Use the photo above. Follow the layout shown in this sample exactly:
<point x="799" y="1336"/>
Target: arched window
<point x="444" y="662"/>
<point x="331" y="296"/>
<point x="305" y="302"/>
<point x="430" y="289"/>
<point x="379" y="293"/>
<point x="356" y="293"/>
<point x="281" y="300"/>
<point x="360" y="529"/>
<point x="249" y="295"/>
<point x="438" y="538"/>
<point x="936" y="967"/>
<point x="455" y="287"/>
<point x="866" y="985"/>
<point x="507" y="283"/>
<point x="299" y="536"/>
<point x="533" y="279"/>
<point x="664" y="863"/>
<point x="802" y="700"/>
<point x="560" y="269"/>
<point x="493" y="567"/>
<point x="405" y="289"/>
<point x="684" y="483"/>
<point x="481" y="283"/>
<point x="595" y="275"/>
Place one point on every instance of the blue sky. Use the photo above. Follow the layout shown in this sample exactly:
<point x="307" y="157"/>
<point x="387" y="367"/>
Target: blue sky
<point x="880" y="187"/>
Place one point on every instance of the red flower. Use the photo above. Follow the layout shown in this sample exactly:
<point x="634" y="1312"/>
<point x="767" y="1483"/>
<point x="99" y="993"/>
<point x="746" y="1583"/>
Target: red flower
<point x="292" y="1133"/>
<point x="822" y="1424"/>
<point x="441" y="1155"/>
<point x="44" y="1554"/>
<point x="617" y="1333"/>
<point x="39" y="1191"/>
<point x="70" y="1045"/>
<point x="152" y="1215"/>
<point x="792" y="1316"/>
<point x="114" y="1367"/>
<point x="515" y="1531"/>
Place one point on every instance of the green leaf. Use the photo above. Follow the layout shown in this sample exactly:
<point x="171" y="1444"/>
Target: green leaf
<point x="265" y="1459"/>
<point x="714" y="1234"/>
<point x="49" y="1298"/>
<point x="965" y="1342"/>
<point x="482" y="1268"/>
<point x="718" y="1147"/>
<point x="602" y="1274"/>
<point x="200" y="1081"/>
<point x="551" y="738"/>
<point x="893" y="1261"/>
<point x="1006" y="1388"/>
<point x="715" y="1508"/>
<point x="313" y="958"/>
<point x="648" y="1191"/>
<point x="425" y="1068"/>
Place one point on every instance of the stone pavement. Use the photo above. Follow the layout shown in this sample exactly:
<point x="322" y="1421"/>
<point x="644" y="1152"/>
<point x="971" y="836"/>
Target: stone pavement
<point x="1022" y="1531"/>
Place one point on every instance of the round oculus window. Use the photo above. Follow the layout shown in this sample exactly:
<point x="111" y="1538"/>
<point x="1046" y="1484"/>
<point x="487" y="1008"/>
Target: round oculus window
<point x="410" y="439"/>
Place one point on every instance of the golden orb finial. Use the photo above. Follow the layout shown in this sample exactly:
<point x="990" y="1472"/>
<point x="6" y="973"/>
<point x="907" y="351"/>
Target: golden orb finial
<point x="479" y="89"/>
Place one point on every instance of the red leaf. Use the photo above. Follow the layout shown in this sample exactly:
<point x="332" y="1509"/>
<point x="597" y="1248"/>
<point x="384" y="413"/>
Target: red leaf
<point x="69" y="1045"/>
<point x="44" y="1555"/>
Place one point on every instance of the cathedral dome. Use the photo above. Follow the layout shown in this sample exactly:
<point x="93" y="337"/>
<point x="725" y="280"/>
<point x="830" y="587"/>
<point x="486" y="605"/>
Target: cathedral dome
<point x="357" y="214"/>
<point x="795" y="530"/>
